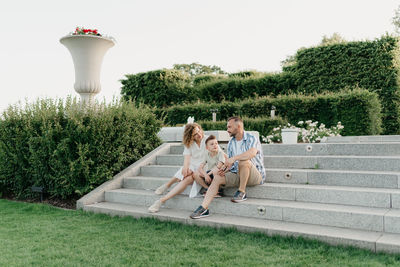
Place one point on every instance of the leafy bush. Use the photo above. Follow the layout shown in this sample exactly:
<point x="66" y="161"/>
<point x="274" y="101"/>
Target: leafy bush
<point x="68" y="149"/>
<point x="239" y="88"/>
<point x="373" y="65"/>
<point x="263" y="125"/>
<point x="159" y="88"/>
<point x="206" y="78"/>
<point x="359" y="110"/>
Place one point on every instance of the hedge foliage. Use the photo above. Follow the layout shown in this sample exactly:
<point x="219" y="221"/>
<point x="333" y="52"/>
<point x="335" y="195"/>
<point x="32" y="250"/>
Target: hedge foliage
<point x="159" y="88"/>
<point x="68" y="149"/>
<point x="373" y="65"/>
<point x="238" y="88"/>
<point x="358" y="110"/>
<point x="263" y="125"/>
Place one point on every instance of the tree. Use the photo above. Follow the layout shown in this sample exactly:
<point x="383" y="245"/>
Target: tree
<point x="336" y="38"/>
<point x="196" y="69"/>
<point x="396" y="20"/>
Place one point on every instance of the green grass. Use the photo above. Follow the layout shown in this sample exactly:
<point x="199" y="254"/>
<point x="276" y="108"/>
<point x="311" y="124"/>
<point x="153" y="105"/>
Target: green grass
<point x="41" y="235"/>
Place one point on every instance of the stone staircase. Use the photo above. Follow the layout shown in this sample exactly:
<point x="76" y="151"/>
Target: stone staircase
<point x="340" y="193"/>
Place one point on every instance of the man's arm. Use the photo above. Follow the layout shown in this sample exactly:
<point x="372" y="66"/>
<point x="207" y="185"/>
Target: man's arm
<point x="249" y="154"/>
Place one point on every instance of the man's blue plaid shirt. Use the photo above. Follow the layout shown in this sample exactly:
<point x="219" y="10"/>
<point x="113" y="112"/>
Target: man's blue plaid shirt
<point x="249" y="141"/>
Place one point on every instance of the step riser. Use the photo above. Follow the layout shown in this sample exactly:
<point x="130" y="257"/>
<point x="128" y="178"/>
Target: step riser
<point x="149" y="184"/>
<point x="335" y="163"/>
<point x="323" y="149"/>
<point x="159" y="171"/>
<point x="332" y="149"/>
<point x="352" y="164"/>
<point x="370" y="222"/>
<point x="268" y="228"/>
<point x="334" y="178"/>
<point x="303" y="177"/>
<point x="342" y="197"/>
<point x="364" y="199"/>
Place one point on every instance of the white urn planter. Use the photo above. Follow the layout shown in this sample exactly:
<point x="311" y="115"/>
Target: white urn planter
<point x="87" y="54"/>
<point x="289" y="135"/>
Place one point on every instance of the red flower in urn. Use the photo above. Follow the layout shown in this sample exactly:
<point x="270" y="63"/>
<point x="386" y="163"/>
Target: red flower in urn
<point x="83" y="31"/>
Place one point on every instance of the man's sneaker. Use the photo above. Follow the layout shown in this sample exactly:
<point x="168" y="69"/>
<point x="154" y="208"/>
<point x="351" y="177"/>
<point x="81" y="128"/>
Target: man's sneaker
<point x="200" y="212"/>
<point x="161" y="189"/>
<point x="239" y="197"/>
<point x="155" y="207"/>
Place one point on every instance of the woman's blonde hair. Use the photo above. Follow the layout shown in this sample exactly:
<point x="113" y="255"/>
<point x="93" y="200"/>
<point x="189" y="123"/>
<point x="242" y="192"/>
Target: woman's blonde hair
<point x="188" y="133"/>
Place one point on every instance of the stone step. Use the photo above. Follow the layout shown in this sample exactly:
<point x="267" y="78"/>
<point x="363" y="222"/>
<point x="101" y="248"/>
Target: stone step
<point x="305" y="176"/>
<point x="354" y="163"/>
<point x="355" y="196"/>
<point x="373" y="179"/>
<point x="374" y="241"/>
<point x="362" y="163"/>
<point x="364" y="139"/>
<point x="322" y="149"/>
<point x="354" y="217"/>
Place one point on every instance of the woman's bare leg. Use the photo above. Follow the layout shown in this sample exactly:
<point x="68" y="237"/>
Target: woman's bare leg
<point x="160" y="190"/>
<point x="179" y="188"/>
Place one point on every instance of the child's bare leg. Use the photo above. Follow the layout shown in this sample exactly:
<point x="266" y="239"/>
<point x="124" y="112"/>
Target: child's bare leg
<point x="200" y="180"/>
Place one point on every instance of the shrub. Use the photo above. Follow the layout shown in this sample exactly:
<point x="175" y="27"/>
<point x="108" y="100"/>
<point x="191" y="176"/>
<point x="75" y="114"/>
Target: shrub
<point x="68" y="149"/>
<point x="359" y="110"/>
<point x="206" y="78"/>
<point x="159" y="88"/>
<point x="373" y="65"/>
<point x="239" y="88"/>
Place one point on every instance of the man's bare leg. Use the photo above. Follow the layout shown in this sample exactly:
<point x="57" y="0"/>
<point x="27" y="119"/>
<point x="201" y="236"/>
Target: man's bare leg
<point x="244" y="174"/>
<point x="213" y="190"/>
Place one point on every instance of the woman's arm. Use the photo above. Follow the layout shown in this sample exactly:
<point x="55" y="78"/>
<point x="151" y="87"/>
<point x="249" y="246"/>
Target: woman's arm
<point x="186" y="163"/>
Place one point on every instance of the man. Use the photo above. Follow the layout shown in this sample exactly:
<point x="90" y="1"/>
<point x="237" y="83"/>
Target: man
<point x="245" y="165"/>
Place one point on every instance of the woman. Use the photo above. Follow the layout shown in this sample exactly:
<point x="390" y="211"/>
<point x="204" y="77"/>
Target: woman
<point x="194" y="147"/>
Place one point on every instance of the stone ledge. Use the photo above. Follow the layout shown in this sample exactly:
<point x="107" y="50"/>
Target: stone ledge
<point x="175" y="134"/>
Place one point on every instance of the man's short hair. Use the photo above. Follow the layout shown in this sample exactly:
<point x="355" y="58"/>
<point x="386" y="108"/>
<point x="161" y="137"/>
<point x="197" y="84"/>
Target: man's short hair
<point x="211" y="137"/>
<point x="236" y="119"/>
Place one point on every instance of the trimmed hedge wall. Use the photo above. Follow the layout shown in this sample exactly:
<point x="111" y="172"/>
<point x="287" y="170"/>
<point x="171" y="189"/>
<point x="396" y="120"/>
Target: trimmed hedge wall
<point x="263" y="125"/>
<point x="232" y="89"/>
<point x="70" y="150"/>
<point x="359" y="110"/>
<point x="159" y="88"/>
<point x="373" y="65"/>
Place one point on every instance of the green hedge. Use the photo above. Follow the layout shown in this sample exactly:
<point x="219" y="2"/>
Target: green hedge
<point x="238" y="88"/>
<point x="373" y="65"/>
<point x="159" y="88"/>
<point x="359" y="110"/>
<point x="69" y="150"/>
<point x="263" y="125"/>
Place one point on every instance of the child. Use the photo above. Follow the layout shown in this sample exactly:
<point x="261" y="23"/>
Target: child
<point x="214" y="159"/>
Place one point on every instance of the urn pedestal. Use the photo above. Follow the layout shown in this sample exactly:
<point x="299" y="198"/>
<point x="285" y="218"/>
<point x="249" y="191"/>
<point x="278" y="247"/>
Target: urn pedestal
<point x="87" y="54"/>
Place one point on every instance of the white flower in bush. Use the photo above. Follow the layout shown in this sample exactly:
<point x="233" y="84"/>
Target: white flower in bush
<point x="309" y="132"/>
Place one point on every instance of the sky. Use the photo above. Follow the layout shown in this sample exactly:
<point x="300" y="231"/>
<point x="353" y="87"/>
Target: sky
<point x="154" y="34"/>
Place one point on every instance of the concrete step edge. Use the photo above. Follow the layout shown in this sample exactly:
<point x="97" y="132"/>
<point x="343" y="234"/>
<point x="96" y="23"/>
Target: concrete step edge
<point x="297" y="186"/>
<point x="270" y="203"/>
<point x="374" y="241"/>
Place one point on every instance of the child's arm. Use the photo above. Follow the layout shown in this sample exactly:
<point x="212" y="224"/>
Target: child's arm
<point x="201" y="169"/>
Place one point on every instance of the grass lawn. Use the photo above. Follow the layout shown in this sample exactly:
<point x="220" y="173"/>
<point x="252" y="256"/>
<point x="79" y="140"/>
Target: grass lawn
<point x="41" y="235"/>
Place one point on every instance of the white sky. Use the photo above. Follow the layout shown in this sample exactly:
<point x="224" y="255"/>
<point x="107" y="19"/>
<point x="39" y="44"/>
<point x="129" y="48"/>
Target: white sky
<point x="153" y="34"/>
